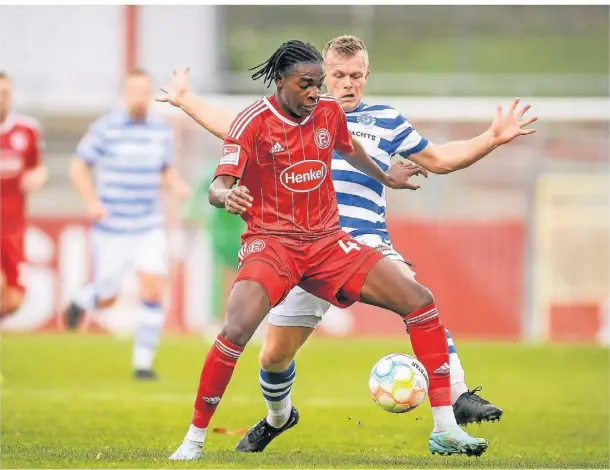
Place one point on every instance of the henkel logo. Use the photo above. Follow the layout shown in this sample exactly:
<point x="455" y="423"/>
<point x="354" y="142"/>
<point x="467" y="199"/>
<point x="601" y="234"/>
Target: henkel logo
<point x="304" y="176"/>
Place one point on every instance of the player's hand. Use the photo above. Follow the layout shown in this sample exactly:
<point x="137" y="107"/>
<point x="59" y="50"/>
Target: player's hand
<point x="179" y="88"/>
<point x="401" y="171"/>
<point x="96" y="211"/>
<point x="238" y="200"/>
<point x="505" y="127"/>
<point x="33" y="180"/>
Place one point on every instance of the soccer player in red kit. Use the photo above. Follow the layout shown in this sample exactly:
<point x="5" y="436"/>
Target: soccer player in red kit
<point x="274" y="172"/>
<point x="20" y="172"/>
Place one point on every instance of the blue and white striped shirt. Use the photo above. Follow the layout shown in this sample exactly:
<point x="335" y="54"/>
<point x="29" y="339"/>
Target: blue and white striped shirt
<point x="383" y="132"/>
<point x="129" y="157"/>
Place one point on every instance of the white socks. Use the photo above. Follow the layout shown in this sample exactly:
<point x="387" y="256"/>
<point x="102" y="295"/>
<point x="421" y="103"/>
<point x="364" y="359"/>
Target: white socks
<point x="86" y="298"/>
<point x="276" y="387"/>
<point x="444" y="419"/>
<point x="149" y="326"/>
<point x="456" y="374"/>
<point x="195" y="434"/>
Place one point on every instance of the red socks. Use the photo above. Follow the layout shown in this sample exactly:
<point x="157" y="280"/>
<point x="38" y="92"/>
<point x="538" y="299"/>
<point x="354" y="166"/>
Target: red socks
<point x="215" y="376"/>
<point x="429" y="342"/>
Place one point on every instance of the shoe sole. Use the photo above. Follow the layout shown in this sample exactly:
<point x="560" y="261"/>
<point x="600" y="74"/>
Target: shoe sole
<point x="471" y="450"/>
<point x="489" y="417"/>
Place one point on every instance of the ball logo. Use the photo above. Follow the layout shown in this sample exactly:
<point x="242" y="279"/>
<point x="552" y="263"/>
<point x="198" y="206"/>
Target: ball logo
<point x="304" y="176"/>
<point x="255" y="246"/>
<point x="322" y="138"/>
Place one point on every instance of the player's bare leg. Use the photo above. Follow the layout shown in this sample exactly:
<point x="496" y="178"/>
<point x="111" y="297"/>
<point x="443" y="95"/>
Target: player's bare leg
<point x="247" y="306"/>
<point x="11" y="298"/>
<point x="389" y="285"/>
<point x="277" y="375"/>
<point x="149" y="325"/>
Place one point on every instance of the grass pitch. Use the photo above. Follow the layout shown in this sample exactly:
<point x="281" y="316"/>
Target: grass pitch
<point x="69" y="401"/>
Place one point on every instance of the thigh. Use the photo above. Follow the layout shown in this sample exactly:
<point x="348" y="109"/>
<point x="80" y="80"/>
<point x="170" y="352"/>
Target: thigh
<point x="111" y="256"/>
<point x="390" y="284"/>
<point x="298" y="309"/>
<point x="333" y="262"/>
<point x="271" y="263"/>
<point x="150" y="253"/>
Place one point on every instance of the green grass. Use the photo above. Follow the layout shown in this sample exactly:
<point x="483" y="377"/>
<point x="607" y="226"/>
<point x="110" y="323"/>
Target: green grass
<point x="69" y="401"/>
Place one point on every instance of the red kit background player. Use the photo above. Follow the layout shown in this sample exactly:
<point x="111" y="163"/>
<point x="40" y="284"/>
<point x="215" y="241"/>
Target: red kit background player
<point x="279" y="152"/>
<point x="21" y="171"/>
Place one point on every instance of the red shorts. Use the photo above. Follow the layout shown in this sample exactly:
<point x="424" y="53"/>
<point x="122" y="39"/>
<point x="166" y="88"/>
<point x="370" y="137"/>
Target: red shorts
<point x="12" y="254"/>
<point x="333" y="267"/>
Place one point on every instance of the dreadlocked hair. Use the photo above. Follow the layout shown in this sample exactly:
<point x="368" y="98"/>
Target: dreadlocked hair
<point x="288" y="55"/>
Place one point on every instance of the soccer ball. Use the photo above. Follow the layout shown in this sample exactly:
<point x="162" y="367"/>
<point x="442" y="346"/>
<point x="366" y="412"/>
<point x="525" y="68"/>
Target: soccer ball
<point x="398" y="383"/>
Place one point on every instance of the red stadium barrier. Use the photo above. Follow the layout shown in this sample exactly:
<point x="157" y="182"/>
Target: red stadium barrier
<point x="474" y="269"/>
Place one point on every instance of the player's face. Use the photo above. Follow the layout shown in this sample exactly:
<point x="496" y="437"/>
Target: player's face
<point x="6" y="93"/>
<point x="137" y="95"/>
<point x="300" y="91"/>
<point x="346" y="78"/>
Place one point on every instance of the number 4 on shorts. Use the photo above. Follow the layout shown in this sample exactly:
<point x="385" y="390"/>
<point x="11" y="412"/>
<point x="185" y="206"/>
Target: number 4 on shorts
<point x="349" y="246"/>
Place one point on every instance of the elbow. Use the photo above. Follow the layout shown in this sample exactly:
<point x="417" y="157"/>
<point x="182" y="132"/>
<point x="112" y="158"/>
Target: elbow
<point x="213" y="198"/>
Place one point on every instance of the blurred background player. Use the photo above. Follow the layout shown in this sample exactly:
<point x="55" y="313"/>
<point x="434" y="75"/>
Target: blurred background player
<point x="131" y="148"/>
<point x="385" y="133"/>
<point x="21" y="171"/>
<point x="224" y="231"/>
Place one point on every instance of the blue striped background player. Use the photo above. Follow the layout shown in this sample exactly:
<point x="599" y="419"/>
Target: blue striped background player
<point x="131" y="150"/>
<point x="385" y="133"/>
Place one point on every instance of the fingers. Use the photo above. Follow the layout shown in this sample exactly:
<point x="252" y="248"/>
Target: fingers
<point x="528" y="121"/>
<point x="513" y="105"/>
<point x="238" y="200"/>
<point x="527" y="131"/>
<point x="523" y="110"/>
<point x="498" y="110"/>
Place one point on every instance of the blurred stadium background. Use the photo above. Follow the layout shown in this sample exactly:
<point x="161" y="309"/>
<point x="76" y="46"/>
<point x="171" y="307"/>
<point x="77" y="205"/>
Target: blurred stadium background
<point x="515" y="247"/>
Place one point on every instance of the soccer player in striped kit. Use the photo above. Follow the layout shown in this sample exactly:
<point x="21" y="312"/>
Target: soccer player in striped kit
<point x="131" y="148"/>
<point x="384" y="132"/>
<point x="278" y="371"/>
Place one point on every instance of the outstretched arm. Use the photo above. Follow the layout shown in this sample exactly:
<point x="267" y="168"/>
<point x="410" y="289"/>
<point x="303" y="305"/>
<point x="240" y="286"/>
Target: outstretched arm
<point x="179" y="94"/>
<point x="459" y="154"/>
<point x="397" y="176"/>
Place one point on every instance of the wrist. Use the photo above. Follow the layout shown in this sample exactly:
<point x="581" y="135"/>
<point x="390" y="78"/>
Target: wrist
<point x="186" y="101"/>
<point x="491" y="139"/>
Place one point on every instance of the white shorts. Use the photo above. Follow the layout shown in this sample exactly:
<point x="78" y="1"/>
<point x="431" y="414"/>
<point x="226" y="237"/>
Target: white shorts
<point x="300" y="308"/>
<point x="115" y="254"/>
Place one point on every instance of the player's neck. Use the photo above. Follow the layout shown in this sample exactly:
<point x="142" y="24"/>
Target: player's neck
<point x="3" y="117"/>
<point x="283" y="108"/>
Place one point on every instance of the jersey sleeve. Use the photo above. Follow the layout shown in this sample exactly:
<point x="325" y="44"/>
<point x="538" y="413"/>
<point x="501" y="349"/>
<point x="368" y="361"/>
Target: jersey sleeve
<point x="236" y="149"/>
<point x="343" y="138"/>
<point x="406" y="141"/>
<point x="91" y="146"/>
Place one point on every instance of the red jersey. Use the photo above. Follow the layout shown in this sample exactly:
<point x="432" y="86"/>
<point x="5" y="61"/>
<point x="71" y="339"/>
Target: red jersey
<point x="286" y="166"/>
<point x="19" y="152"/>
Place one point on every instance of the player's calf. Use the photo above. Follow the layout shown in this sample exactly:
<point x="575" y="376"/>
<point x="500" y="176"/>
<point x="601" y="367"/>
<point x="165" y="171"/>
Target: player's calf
<point x="11" y="300"/>
<point x="150" y="320"/>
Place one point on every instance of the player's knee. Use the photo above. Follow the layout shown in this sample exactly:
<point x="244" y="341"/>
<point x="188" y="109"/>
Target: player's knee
<point x="274" y="358"/>
<point x="105" y="303"/>
<point x="421" y="297"/>
<point x="236" y="333"/>
<point x="152" y="296"/>
<point x="12" y="300"/>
